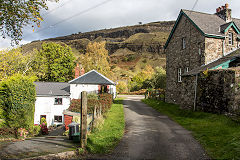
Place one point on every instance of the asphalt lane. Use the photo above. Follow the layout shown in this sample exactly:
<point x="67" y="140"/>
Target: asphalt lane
<point x="151" y="135"/>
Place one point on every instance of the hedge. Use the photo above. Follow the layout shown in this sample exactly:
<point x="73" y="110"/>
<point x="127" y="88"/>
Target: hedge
<point x="17" y="100"/>
<point x="105" y="100"/>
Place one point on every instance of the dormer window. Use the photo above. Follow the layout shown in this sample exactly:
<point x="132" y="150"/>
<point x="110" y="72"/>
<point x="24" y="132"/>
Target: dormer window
<point x="183" y="43"/>
<point x="230" y="38"/>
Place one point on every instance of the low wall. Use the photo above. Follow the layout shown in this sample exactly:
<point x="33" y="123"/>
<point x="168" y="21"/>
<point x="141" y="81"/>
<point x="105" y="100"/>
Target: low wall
<point x="218" y="91"/>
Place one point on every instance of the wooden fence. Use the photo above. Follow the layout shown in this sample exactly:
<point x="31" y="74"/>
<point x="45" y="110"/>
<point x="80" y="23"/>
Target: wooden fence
<point x="158" y="94"/>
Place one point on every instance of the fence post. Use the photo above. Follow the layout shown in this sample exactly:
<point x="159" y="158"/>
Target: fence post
<point x="83" y="132"/>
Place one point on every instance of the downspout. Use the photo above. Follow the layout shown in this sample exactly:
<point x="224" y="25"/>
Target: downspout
<point x="223" y="46"/>
<point x="195" y="94"/>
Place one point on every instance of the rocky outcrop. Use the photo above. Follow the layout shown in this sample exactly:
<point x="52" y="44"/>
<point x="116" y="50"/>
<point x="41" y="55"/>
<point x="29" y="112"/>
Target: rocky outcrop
<point x="153" y="48"/>
<point x="116" y="37"/>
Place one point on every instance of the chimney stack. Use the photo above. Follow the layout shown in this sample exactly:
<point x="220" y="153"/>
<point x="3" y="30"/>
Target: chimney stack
<point x="82" y="71"/>
<point x="224" y="12"/>
<point x="77" y="71"/>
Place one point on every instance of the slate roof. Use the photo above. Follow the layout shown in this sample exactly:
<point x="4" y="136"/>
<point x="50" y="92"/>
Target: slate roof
<point x="52" y="89"/>
<point x="230" y="56"/>
<point x="207" y="24"/>
<point x="92" y="77"/>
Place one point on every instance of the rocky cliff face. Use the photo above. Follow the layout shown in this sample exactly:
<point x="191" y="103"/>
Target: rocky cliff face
<point x="151" y="38"/>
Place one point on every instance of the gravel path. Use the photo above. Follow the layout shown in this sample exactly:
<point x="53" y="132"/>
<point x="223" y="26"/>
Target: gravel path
<point x="151" y="135"/>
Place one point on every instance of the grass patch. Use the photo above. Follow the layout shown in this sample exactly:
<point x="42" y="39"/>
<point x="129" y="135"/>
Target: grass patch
<point x="103" y="140"/>
<point x="218" y="134"/>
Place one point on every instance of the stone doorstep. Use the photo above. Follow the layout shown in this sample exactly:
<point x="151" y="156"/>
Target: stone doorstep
<point x="62" y="155"/>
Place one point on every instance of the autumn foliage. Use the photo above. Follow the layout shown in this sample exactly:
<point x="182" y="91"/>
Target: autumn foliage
<point x="96" y="57"/>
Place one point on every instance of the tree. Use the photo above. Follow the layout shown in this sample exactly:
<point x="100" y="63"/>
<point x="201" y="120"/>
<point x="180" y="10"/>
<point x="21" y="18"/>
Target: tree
<point x="54" y="62"/>
<point x="122" y="87"/>
<point x="139" y="79"/>
<point x="13" y="61"/>
<point x="159" y="78"/>
<point x="96" y="58"/>
<point x="14" y="14"/>
<point x="17" y="101"/>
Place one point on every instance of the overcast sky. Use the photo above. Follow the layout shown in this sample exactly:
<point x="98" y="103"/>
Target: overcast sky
<point x="72" y="16"/>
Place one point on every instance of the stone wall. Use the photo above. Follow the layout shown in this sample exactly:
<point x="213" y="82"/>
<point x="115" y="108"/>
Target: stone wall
<point x="216" y="48"/>
<point x="216" y="91"/>
<point x="182" y="58"/>
<point x="213" y="49"/>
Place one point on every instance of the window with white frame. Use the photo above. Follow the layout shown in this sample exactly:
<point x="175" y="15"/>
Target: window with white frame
<point x="186" y="69"/>
<point x="57" y="118"/>
<point x="58" y="101"/>
<point x="230" y="38"/>
<point x="179" y="75"/>
<point x="183" y="43"/>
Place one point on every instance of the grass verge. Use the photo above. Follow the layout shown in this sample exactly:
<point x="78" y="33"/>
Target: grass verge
<point x="218" y="134"/>
<point x="104" y="139"/>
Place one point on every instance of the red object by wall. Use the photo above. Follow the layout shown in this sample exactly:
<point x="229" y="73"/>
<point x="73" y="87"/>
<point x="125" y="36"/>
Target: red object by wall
<point x="67" y="120"/>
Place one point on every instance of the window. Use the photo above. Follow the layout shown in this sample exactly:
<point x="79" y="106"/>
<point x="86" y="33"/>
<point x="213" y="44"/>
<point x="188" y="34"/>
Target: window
<point x="230" y="38"/>
<point x="58" y="101"/>
<point x="186" y="69"/>
<point x="179" y="75"/>
<point x="183" y="43"/>
<point x="57" y="118"/>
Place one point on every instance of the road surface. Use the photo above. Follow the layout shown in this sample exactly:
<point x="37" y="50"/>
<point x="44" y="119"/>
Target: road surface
<point x="151" y="135"/>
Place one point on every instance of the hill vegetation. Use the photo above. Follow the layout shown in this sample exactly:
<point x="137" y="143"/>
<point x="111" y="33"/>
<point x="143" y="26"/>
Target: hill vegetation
<point x="130" y="48"/>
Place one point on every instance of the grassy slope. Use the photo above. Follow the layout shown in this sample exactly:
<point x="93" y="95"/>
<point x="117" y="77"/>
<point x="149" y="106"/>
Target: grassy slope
<point x="218" y="134"/>
<point x="108" y="136"/>
<point x="148" y="38"/>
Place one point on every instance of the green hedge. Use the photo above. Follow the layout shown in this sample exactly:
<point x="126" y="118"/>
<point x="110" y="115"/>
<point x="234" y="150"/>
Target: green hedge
<point x="105" y="100"/>
<point x="17" y="101"/>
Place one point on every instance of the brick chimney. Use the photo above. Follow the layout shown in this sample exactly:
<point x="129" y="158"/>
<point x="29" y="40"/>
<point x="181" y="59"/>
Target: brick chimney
<point x="82" y="71"/>
<point x="224" y="12"/>
<point x="77" y="71"/>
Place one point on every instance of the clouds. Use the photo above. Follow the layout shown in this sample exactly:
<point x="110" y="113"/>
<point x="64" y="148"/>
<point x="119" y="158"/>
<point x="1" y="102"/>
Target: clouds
<point x="112" y="13"/>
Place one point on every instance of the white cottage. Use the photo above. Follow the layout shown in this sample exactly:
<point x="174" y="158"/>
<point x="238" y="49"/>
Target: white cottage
<point x="92" y="82"/>
<point x="54" y="97"/>
<point x="51" y="99"/>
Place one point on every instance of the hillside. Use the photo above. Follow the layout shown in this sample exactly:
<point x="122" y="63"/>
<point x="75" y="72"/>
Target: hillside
<point x="130" y="48"/>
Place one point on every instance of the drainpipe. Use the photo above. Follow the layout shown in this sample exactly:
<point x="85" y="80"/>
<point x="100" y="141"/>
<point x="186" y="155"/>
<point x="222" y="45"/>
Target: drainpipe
<point x="195" y="94"/>
<point x="223" y="46"/>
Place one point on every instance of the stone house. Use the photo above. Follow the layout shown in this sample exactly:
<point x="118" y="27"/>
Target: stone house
<point x="198" y="42"/>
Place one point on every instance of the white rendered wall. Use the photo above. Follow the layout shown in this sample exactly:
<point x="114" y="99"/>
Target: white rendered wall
<point x="76" y="89"/>
<point x="45" y="106"/>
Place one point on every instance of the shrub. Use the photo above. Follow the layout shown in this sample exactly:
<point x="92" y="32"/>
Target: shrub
<point x="44" y="129"/>
<point x="159" y="78"/>
<point x="22" y="133"/>
<point x="43" y="120"/>
<point x="75" y="105"/>
<point x="7" y="132"/>
<point x="92" y="96"/>
<point x="17" y="100"/>
<point x="34" y="130"/>
<point x="106" y="101"/>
